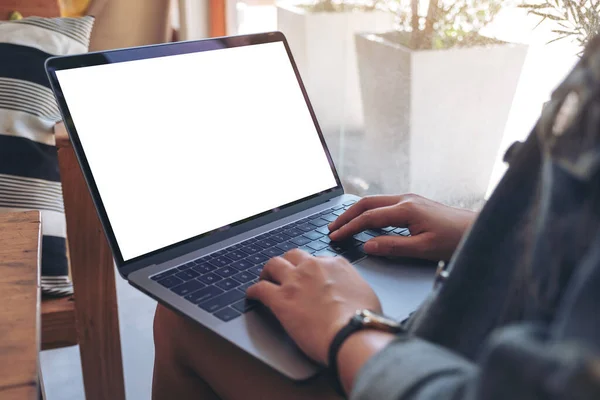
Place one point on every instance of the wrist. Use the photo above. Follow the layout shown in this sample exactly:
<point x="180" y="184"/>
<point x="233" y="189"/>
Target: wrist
<point x="332" y="332"/>
<point x="361" y="340"/>
<point x="356" y="351"/>
<point x="368" y="332"/>
<point x="336" y="326"/>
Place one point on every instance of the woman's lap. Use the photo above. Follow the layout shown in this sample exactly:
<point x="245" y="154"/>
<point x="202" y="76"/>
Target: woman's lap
<point x="192" y="362"/>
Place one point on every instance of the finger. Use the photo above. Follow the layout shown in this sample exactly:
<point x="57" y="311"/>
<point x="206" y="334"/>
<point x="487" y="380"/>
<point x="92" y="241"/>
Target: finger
<point x="276" y="270"/>
<point x="296" y="256"/>
<point x="263" y="291"/>
<point x="375" y="218"/>
<point x="361" y="206"/>
<point x="398" y="246"/>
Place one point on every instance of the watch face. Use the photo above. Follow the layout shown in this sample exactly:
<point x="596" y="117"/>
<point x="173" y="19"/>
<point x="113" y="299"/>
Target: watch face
<point x="377" y="321"/>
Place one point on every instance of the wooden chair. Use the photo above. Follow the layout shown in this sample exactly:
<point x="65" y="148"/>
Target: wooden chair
<point x="90" y="317"/>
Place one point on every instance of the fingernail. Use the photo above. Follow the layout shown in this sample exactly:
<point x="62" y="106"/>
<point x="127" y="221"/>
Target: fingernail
<point x="333" y="234"/>
<point x="371" y="247"/>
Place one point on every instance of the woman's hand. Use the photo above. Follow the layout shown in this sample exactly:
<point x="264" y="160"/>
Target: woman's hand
<point x="313" y="298"/>
<point x="435" y="229"/>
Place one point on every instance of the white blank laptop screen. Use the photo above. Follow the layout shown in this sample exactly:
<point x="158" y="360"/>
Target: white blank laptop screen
<point x="185" y="144"/>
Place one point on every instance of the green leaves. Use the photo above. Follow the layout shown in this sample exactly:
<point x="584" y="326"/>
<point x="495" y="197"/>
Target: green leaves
<point x="446" y="23"/>
<point x="344" y="5"/>
<point x="578" y="19"/>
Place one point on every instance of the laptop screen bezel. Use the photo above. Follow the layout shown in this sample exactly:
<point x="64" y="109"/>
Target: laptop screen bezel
<point x="163" y="50"/>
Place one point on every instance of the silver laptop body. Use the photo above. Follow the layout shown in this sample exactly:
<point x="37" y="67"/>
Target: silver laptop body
<point x="213" y="146"/>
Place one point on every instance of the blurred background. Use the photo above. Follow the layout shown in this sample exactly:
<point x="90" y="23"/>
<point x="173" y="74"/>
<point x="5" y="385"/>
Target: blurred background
<point x="427" y="104"/>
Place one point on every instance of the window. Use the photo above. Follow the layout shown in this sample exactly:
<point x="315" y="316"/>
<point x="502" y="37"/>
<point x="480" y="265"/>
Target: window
<point x="435" y="120"/>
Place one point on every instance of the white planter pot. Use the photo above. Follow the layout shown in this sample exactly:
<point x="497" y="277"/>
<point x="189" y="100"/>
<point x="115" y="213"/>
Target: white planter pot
<point x="438" y="116"/>
<point x="323" y="46"/>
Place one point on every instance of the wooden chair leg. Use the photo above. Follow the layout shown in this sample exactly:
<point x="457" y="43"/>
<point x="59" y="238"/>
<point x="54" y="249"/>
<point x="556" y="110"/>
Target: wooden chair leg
<point x="93" y="275"/>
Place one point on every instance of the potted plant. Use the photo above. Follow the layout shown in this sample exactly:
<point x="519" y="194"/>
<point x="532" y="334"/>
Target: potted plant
<point x="436" y="96"/>
<point x="321" y="36"/>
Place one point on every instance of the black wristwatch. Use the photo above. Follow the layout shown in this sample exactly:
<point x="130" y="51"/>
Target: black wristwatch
<point x="363" y="319"/>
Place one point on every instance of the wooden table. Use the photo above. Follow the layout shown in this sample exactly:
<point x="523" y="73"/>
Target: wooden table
<point x="20" y="235"/>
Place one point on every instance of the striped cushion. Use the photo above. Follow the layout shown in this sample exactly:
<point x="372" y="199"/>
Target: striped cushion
<point x="29" y="177"/>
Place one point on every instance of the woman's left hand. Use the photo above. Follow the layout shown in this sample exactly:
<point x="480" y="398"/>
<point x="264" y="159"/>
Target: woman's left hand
<point x="313" y="298"/>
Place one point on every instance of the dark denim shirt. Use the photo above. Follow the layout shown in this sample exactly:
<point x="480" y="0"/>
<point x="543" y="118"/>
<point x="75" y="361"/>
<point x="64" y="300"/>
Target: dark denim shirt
<point x="518" y="317"/>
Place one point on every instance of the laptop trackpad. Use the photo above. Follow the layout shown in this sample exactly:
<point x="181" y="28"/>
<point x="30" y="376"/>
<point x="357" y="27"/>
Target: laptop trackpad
<point x="401" y="284"/>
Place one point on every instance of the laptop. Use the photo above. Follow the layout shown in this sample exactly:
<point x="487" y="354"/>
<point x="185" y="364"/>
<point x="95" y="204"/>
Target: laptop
<point x="204" y="159"/>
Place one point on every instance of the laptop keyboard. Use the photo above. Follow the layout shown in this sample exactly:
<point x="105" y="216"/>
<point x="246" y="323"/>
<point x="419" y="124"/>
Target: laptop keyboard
<point x="217" y="282"/>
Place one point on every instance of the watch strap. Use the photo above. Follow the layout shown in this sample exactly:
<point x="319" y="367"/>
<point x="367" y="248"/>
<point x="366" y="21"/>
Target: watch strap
<point x="355" y="324"/>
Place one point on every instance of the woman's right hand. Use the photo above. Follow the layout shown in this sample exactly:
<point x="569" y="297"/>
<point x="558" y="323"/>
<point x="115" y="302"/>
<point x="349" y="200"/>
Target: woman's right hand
<point x="435" y="229"/>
